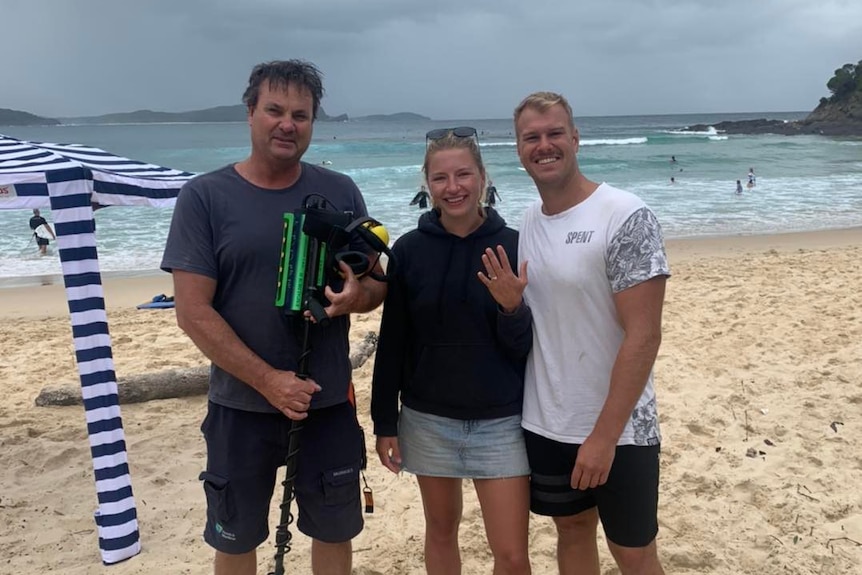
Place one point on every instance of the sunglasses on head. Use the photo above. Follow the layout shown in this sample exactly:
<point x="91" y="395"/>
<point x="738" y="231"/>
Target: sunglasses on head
<point x="459" y="132"/>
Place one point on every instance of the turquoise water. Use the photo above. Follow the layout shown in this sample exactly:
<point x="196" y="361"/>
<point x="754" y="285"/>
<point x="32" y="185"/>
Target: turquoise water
<point x="803" y="182"/>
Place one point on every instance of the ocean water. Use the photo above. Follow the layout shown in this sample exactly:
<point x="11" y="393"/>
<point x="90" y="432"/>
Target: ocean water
<point x="803" y="182"/>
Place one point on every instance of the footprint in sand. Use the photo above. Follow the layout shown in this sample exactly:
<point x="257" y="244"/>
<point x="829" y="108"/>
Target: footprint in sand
<point x="63" y="459"/>
<point x="698" y="429"/>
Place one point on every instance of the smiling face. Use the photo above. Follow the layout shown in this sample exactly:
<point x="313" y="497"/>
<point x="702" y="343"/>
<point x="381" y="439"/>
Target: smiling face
<point x="456" y="184"/>
<point x="281" y="124"/>
<point x="547" y="146"/>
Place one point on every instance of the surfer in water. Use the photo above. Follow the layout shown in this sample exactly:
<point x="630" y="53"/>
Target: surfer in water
<point x="491" y="195"/>
<point x="41" y="231"/>
<point x="421" y="198"/>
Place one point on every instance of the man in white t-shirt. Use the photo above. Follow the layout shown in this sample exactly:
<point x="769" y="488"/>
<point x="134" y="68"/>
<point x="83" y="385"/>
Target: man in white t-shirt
<point x="597" y="280"/>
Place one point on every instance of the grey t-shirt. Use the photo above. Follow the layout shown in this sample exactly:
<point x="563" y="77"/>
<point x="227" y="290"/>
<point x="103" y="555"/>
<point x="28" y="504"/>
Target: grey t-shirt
<point x="225" y="228"/>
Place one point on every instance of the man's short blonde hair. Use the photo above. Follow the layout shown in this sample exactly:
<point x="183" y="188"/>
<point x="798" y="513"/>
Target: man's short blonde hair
<point x="542" y="102"/>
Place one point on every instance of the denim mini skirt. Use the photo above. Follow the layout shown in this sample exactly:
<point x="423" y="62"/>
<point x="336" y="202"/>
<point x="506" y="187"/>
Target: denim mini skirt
<point x="437" y="446"/>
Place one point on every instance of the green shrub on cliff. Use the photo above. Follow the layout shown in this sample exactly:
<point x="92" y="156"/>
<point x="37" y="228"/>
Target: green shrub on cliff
<point x="846" y="81"/>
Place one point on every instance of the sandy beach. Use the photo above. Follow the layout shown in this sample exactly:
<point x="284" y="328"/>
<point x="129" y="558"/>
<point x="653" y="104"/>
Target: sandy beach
<point x="760" y="395"/>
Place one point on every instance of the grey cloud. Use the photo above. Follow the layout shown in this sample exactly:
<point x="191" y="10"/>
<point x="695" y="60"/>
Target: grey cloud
<point x="445" y="59"/>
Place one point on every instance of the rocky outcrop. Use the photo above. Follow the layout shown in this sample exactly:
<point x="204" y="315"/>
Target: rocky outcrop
<point x="849" y="110"/>
<point x="833" y="117"/>
<point x="826" y="127"/>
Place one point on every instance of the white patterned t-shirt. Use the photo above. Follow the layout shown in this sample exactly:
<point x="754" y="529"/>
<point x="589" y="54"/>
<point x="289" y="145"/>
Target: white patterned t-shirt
<point x="577" y="260"/>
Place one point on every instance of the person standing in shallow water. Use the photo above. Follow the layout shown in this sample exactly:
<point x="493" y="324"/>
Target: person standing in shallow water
<point x="598" y="270"/>
<point x="491" y="195"/>
<point x="738" y="187"/>
<point x="453" y="341"/>
<point x="42" y="231"/>
<point x="421" y="198"/>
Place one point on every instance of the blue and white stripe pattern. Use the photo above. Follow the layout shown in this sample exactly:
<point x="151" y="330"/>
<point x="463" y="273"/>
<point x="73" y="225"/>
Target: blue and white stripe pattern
<point x="70" y="179"/>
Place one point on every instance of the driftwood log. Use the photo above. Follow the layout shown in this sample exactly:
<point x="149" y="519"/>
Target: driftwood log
<point x="171" y="383"/>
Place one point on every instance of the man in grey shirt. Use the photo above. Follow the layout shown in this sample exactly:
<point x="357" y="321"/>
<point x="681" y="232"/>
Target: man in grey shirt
<point x="224" y="250"/>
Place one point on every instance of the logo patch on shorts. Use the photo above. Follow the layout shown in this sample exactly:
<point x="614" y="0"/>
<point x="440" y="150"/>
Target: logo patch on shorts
<point x="224" y="534"/>
<point x="340" y="472"/>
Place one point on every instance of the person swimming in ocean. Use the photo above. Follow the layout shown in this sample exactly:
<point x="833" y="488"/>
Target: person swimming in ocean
<point x="752" y="180"/>
<point x="738" y="186"/>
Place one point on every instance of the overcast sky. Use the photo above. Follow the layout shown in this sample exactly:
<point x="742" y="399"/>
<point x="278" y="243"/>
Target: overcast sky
<point x="446" y="59"/>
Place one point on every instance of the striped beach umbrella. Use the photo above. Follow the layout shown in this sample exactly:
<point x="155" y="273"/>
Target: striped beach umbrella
<point x="71" y="180"/>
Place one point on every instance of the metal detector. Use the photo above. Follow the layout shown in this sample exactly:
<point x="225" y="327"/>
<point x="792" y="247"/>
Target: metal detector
<point x="312" y="246"/>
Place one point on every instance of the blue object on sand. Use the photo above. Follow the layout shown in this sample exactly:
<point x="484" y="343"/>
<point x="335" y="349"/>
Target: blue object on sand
<point x="158" y="302"/>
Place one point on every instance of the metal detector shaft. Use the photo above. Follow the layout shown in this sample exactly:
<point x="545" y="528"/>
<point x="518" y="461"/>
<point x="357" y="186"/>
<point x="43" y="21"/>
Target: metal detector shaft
<point x="310" y="303"/>
<point x="282" y="532"/>
<point x="283" y="536"/>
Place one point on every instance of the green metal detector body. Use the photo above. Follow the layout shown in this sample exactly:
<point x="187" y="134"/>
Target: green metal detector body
<point x="291" y="286"/>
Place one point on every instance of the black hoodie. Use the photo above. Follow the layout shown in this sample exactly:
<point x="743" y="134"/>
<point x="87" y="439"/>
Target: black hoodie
<point x="444" y="343"/>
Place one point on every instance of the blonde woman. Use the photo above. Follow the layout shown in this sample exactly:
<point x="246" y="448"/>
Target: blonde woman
<point x="453" y="345"/>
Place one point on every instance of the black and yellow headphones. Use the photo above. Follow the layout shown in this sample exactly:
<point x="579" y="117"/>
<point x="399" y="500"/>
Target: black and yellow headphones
<point x="375" y="236"/>
<point x="338" y="229"/>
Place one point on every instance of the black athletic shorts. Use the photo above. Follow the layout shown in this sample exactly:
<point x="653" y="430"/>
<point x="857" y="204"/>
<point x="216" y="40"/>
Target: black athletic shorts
<point x="245" y="450"/>
<point x="627" y="503"/>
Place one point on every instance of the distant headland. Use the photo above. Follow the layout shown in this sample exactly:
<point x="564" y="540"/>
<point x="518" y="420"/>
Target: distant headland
<point x="236" y="113"/>
<point x="19" y="118"/>
<point x="838" y="115"/>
